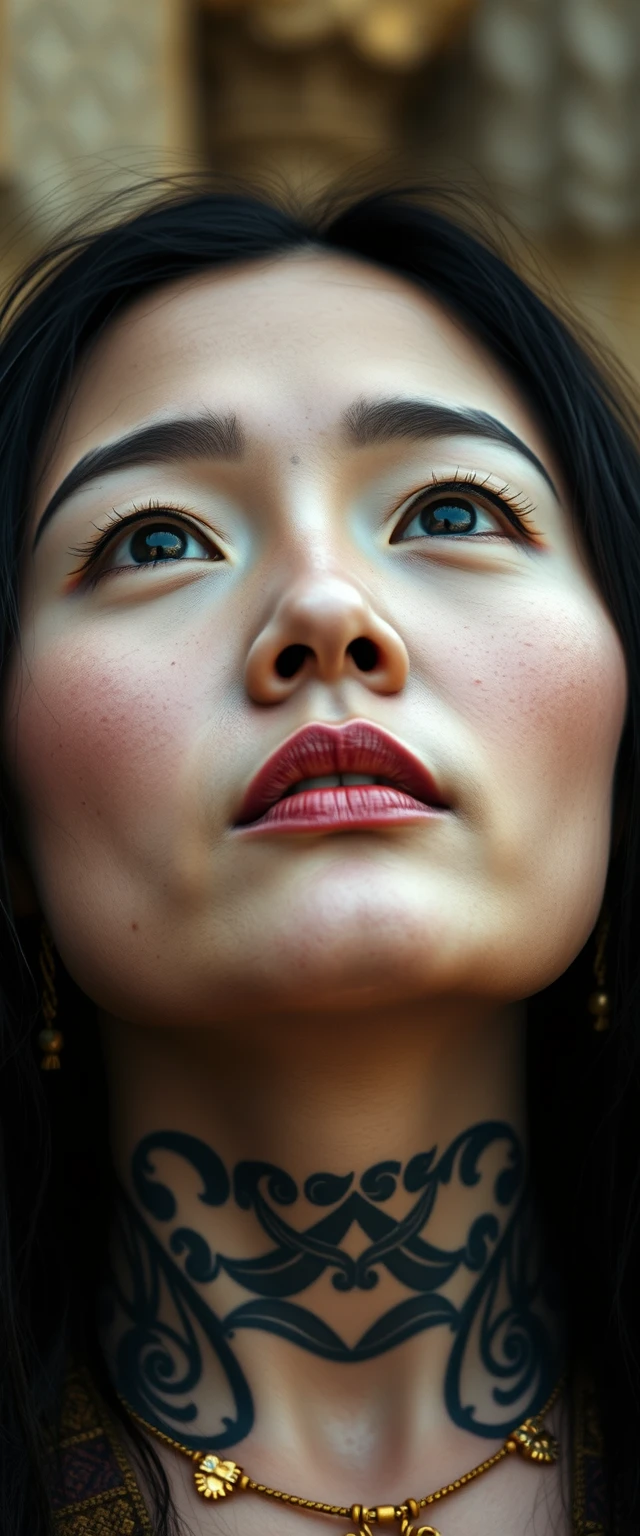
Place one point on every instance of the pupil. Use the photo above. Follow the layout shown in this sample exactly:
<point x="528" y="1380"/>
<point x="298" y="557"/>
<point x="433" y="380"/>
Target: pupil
<point x="149" y="544"/>
<point x="448" y="517"/>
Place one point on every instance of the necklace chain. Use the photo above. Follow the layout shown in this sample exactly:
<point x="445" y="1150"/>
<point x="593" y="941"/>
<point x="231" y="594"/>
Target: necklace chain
<point x="216" y="1478"/>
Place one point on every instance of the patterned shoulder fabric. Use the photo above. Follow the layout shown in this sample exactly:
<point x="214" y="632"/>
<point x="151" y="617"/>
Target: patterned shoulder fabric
<point x="589" y="1491"/>
<point x="96" y="1493"/>
<point x="95" y="1488"/>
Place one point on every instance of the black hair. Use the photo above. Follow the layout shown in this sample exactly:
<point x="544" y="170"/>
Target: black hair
<point x="584" y="1089"/>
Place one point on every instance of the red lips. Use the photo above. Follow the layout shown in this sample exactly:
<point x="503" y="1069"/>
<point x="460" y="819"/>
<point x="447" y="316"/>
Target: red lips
<point x="405" y="791"/>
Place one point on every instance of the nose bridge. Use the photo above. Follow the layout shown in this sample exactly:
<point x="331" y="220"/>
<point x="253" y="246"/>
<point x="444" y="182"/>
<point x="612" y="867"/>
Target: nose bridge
<point x="323" y="625"/>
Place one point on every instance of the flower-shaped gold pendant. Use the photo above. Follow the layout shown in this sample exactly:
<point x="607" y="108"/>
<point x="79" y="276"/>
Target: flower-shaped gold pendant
<point x="214" y="1478"/>
<point x="535" y="1442"/>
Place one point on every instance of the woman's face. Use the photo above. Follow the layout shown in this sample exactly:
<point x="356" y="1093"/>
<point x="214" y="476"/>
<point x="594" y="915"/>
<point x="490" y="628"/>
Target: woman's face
<point x="313" y="557"/>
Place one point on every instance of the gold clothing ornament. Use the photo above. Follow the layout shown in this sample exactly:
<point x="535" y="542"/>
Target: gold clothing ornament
<point x="50" y="1039"/>
<point x="217" y="1478"/>
<point x="599" y="1003"/>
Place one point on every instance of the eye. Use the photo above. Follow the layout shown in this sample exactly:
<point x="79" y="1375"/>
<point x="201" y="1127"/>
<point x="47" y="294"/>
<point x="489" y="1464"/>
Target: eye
<point x="446" y="515"/>
<point x="157" y="543"/>
<point x="168" y="537"/>
<point x="463" y="509"/>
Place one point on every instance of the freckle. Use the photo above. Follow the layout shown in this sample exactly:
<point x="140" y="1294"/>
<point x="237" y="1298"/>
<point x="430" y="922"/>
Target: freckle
<point x="478" y="682"/>
<point x="294" y="459"/>
<point x="134" y="925"/>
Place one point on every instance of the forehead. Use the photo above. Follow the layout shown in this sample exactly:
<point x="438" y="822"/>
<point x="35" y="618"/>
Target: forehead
<point x="287" y="344"/>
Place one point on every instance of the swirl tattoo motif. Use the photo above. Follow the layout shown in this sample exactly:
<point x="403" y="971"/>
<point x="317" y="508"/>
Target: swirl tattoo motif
<point x="166" y="1326"/>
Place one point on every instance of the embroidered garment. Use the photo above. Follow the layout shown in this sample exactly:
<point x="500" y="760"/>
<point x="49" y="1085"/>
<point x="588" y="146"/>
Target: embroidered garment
<point x="589" y="1493"/>
<point x="97" y="1494"/>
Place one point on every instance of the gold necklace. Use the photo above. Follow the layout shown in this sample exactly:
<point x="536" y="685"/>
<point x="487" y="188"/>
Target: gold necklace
<point x="217" y="1478"/>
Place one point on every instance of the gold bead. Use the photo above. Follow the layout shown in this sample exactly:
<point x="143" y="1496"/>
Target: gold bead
<point x="599" y="1003"/>
<point x="356" y="1513"/>
<point x="385" y="1514"/>
<point x="413" y="1508"/>
<point x="510" y="1445"/>
<point x="50" y="1040"/>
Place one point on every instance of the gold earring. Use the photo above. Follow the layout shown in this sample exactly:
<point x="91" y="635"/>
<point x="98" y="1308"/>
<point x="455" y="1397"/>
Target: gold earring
<point x="599" y="1004"/>
<point x="50" y="1039"/>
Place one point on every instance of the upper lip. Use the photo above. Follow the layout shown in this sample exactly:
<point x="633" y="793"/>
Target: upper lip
<point x="357" y="747"/>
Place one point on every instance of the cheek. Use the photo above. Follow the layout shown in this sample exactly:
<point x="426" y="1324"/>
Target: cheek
<point x="544" y="697"/>
<point x="539" y="680"/>
<point x="104" y="744"/>
<point x="552" y="693"/>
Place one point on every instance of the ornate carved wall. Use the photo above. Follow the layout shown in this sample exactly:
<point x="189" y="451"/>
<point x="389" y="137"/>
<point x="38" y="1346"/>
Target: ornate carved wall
<point x="559" y="109"/>
<point x="93" y="94"/>
<point x="94" y="91"/>
<point x="4" y="94"/>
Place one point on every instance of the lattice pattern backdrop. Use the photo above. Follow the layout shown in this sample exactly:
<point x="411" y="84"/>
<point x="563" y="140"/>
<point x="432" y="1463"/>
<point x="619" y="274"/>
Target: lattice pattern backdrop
<point x="559" y="118"/>
<point x="93" y="94"/>
<point x="92" y="91"/>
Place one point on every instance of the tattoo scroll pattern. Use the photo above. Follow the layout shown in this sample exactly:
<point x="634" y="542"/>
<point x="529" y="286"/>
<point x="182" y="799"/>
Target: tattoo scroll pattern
<point x="159" y="1362"/>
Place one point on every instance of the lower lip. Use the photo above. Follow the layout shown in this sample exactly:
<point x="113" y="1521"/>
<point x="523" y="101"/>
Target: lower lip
<point x="344" y="808"/>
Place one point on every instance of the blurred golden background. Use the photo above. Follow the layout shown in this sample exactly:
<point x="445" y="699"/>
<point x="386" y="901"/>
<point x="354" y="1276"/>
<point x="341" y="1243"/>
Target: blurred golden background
<point x="533" y="105"/>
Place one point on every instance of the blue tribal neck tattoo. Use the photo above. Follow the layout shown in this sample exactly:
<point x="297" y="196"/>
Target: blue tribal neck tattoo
<point x="164" y="1325"/>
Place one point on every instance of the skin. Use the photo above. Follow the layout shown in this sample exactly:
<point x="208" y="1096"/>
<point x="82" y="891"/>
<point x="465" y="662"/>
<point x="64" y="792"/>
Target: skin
<point x="321" y="1001"/>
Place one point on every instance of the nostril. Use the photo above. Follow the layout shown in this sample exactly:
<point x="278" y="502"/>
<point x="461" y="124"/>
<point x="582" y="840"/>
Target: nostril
<point x="291" y="659"/>
<point x="364" y="653"/>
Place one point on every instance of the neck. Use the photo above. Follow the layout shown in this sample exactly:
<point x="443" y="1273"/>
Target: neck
<point x="324" y="1243"/>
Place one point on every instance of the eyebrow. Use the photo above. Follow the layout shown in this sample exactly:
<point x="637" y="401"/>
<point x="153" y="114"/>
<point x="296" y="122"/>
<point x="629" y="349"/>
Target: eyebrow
<point x="380" y="421"/>
<point x="211" y="436"/>
<point x="163" y="442"/>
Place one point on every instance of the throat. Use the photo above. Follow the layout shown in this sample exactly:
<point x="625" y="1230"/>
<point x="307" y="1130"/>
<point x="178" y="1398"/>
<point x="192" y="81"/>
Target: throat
<point x="297" y="1281"/>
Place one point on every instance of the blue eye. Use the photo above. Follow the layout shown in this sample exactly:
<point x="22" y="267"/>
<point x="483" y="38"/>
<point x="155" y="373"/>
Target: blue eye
<point x="154" y="544"/>
<point x="449" y="515"/>
<point x="142" y="541"/>
<point x="157" y="543"/>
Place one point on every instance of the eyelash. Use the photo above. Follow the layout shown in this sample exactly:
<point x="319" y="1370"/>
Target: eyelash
<point x="91" y="550"/>
<point x="515" y="508"/>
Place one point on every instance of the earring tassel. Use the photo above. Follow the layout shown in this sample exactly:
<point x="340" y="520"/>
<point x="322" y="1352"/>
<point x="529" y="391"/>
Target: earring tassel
<point x="599" y="1003"/>
<point x="51" y="1042"/>
<point x="50" y="1039"/>
<point x="600" y="1008"/>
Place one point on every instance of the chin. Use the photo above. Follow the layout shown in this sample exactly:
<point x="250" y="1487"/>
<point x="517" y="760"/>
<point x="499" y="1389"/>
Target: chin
<point x="352" y="955"/>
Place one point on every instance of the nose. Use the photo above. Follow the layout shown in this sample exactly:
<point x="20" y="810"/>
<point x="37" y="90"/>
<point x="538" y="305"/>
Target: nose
<point x="327" y="630"/>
